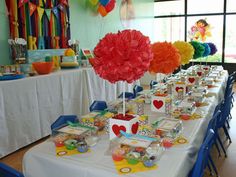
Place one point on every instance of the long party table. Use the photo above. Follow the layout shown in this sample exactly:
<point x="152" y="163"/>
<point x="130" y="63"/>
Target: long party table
<point x="29" y="106"/>
<point x="176" y="161"/>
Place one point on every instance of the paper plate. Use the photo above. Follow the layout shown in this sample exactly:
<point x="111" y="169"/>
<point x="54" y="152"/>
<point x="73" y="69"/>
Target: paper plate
<point x="11" y="77"/>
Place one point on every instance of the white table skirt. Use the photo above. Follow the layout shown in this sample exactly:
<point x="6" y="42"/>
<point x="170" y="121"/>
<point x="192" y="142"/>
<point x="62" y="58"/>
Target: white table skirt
<point x="29" y="106"/>
<point x="175" y="162"/>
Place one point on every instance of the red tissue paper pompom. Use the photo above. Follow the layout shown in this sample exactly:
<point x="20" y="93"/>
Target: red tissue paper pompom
<point x="124" y="56"/>
<point x="166" y="58"/>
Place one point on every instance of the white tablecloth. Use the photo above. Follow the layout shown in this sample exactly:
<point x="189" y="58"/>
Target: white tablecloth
<point x="175" y="162"/>
<point x="29" y="106"/>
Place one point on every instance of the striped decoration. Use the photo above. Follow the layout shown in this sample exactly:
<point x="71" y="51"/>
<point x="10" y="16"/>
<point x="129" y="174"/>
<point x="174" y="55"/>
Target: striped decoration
<point x="44" y="19"/>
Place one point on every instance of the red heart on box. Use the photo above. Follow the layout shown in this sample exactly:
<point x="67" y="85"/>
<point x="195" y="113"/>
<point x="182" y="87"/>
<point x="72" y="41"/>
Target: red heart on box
<point x="191" y="79"/>
<point x="199" y="73"/>
<point x="205" y="68"/>
<point x="116" y="129"/>
<point x="158" y="104"/>
<point x="134" y="128"/>
<point x="177" y="88"/>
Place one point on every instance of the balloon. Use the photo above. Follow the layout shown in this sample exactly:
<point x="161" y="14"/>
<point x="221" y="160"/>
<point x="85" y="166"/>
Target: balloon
<point x="102" y="10"/>
<point x="198" y="49"/>
<point x="92" y="7"/>
<point x="123" y="56"/>
<point x="104" y="2"/>
<point x="110" y="6"/>
<point x="93" y="2"/>
<point x="186" y="51"/>
<point x="166" y="58"/>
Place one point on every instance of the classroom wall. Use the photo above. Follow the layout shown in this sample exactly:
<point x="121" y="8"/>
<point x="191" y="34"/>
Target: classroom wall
<point x="4" y="34"/>
<point x="89" y="28"/>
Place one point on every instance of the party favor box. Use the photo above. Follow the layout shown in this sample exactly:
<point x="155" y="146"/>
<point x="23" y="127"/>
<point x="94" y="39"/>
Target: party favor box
<point x="192" y="79"/>
<point x="168" y="128"/>
<point x="200" y="72"/>
<point x="97" y="119"/>
<point x="196" y="97"/>
<point x="178" y="86"/>
<point x="128" y="124"/>
<point x="187" y="107"/>
<point x="158" y="103"/>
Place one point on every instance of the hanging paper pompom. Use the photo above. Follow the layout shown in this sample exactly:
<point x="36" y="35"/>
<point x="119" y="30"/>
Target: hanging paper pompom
<point x="110" y="6"/>
<point x="198" y="49"/>
<point x="166" y="58"/>
<point x="124" y="56"/>
<point x="213" y="48"/>
<point x="186" y="51"/>
<point x="207" y="50"/>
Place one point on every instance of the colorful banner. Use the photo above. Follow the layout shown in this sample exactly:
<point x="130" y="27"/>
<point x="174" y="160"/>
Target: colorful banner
<point x="64" y="2"/>
<point x="27" y="19"/>
<point x="40" y="12"/>
<point x="32" y="8"/>
<point x="48" y="13"/>
<point x="22" y="2"/>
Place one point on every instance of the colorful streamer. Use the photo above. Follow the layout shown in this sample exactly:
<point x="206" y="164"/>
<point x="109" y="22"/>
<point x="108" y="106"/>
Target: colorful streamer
<point x="44" y="19"/>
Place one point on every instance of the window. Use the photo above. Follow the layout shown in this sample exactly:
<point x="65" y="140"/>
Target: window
<point x="216" y="30"/>
<point x="230" y="42"/>
<point x="205" y="6"/>
<point x="231" y="6"/>
<point x="169" y="29"/>
<point x="173" y="23"/>
<point x="169" y="8"/>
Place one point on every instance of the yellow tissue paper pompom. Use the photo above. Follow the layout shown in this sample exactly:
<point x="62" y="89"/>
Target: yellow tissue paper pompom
<point x="69" y="52"/>
<point x="186" y="51"/>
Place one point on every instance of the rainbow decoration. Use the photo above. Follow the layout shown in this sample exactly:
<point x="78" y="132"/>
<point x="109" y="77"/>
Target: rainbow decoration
<point x="43" y="23"/>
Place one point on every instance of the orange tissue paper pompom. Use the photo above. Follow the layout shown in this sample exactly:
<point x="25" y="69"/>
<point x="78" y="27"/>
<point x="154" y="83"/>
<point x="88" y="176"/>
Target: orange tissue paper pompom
<point x="166" y="58"/>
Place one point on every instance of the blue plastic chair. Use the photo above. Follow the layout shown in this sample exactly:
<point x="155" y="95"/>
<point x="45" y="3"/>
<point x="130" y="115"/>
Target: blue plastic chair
<point x="62" y="120"/>
<point x="7" y="171"/>
<point x="98" y="106"/>
<point x="128" y="95"/>
<point x="137" y="89"/>
<point x="213" y="125"/>
<point x="152" y="83"/>
<point x="203" y="156"/>
<point x="226" y="108"/>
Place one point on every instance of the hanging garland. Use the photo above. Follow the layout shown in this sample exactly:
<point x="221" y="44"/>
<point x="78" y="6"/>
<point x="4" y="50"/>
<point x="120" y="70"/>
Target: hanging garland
<point x="43" y="23"/>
